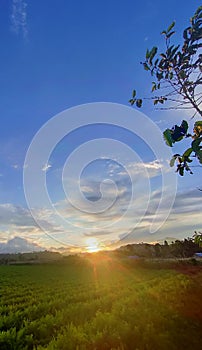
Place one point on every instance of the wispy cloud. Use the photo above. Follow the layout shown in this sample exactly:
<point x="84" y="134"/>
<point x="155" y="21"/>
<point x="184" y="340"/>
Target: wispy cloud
<point x="16" y="166"/>
<point x="149" y="169"/>
<point x="46" y="167"/>
<point x="19" y="17"/>
<point x="18" y="220"/>
<point x="184" y="218"/>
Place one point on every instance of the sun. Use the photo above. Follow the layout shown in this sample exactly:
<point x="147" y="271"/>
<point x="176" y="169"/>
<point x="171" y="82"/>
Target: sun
<point x="92" y="245"/>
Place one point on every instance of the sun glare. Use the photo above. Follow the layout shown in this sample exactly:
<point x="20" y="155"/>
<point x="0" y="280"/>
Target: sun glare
<point x="92" y="245"/>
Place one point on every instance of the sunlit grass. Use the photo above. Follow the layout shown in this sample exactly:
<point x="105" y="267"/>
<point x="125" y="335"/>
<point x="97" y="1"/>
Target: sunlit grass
<point x="99" y="302"/>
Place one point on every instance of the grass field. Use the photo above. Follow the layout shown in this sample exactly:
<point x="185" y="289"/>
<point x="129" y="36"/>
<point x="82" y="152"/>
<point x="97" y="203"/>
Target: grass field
<point x="100" y="302"/>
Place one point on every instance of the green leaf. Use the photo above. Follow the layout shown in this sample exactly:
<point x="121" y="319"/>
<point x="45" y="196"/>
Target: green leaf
<point x="181" y="171"/>
<point x="184" y="125"/>
<point x="139" y="103"/>
<point x="182" y="74"/>
<point x="147" y="54"/>
<point x="187" y="152"/>
<point x="145" y="65"/>
<point x="131" y="101"/>
<point x="179" y="132"/>
<point x="172" y="161"/>
<point x="185" y="35"/>
<point x="175" y="50"/>
<point x="170" y="26"/>
<point x="155" y="63"/>
<point x="171" y="75"/>
<point x="159" y="76"/>
<point x="152" y="54"/>
<point x="195" y="144"/>
<point x="198" y="123"/>
<point x="169" y="35"/>
<point x="167" y="134"/>
<point x="199" y="156"/>
<point x="199" y="9"/>
<point x="179" y="138"/>
<point x="187" y="168"/>
<point x="153" y="87"/>
<point x="134" y="93"/>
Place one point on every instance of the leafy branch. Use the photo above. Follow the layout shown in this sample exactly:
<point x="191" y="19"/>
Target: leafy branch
<point x="177" y="78"/>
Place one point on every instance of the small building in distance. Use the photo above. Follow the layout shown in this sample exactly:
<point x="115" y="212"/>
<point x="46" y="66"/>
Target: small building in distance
<point x="198" y="255"/>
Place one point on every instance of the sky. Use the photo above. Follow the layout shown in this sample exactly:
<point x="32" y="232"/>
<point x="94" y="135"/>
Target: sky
<point x="56" y="56"/>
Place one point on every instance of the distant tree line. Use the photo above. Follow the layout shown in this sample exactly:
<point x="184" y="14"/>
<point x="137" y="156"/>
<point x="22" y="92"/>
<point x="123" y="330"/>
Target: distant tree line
<point x="178" y="249"/>
<point x="29" y="258"/>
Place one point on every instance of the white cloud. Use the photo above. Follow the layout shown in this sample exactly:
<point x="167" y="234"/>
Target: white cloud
<point x="75" y="225"/>
<point x="19" y="245"/>
<point x="16" y="166"/>
<point x="16" y="219"/>
<point x="46" y="167"/>
<point x="143" y="170"/>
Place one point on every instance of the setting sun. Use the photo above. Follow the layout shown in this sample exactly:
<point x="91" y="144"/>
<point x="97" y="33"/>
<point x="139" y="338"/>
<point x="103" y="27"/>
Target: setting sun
<point x="92" y="245"/>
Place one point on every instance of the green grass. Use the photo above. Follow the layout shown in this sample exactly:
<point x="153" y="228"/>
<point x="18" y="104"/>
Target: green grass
<point x="99" y="303"/>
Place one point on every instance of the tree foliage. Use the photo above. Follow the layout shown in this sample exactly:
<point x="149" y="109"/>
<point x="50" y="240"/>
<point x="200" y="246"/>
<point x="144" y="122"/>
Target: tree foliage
<point x="177" y="78"/>
<point x="198" y="238"/>
<point x="176" y="249"/>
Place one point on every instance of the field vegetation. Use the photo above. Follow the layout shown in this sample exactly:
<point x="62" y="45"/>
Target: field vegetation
<point x="101" y="301"/>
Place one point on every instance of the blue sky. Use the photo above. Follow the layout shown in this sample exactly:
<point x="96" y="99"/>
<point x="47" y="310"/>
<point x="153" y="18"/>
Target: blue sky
<point x="60" y="54"/>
